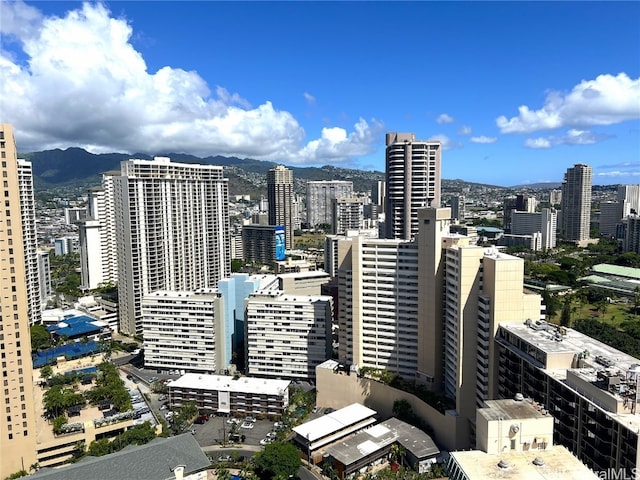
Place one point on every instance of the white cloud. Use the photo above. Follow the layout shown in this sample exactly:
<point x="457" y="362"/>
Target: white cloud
<point x="446" y="142"/>
<point x="311" y="100"/>
<point x="571" y="137"/>
<point x="484" y="139"/>
<point x="618" y="173"/>
<point x="537" y="143"/>
<point x="604" y="101"/>
<point x="84" y="84"/>
<point x="464" y="130"/>
<point x="444" y="118"/>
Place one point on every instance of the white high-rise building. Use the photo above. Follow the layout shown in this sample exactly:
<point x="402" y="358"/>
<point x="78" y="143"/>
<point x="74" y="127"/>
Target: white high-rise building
<point x="320" y="198"/>
<point x="378" y="304"/>
<point x="30" y="240"/>
<point x="545" y="222"/>
<point x="182" y="330"/>
<point x="288" y="336"/>
<point x="348" y="214"/>
<point x="98" y="250"/>
<point x="630" y="196"/>
<point x="412" y="182"/>
<point x="172" y="226"/>
<point x="44" y="277"/>
<point x="576" y="203"/>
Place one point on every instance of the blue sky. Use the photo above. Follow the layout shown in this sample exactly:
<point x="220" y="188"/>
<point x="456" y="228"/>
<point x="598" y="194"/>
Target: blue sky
<point x="517" y="92"/>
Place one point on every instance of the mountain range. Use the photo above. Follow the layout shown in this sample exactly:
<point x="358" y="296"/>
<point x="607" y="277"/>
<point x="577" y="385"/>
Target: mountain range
<point x="76" y="166"/>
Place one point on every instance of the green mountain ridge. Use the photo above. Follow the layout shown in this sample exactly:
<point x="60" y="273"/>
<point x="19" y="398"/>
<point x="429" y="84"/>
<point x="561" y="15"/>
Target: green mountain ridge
<point x="76" y="166"/>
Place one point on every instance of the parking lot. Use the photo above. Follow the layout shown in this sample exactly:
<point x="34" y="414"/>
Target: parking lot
<point x="213" y="432"/>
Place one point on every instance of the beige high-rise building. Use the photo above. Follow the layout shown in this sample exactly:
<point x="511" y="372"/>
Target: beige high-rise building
<point x="412" y="182"/>
<point x="17" y="430"/>
<point x="465" y="290"/>
<point x="576" y="203"/>
<point x="280" y="196"/>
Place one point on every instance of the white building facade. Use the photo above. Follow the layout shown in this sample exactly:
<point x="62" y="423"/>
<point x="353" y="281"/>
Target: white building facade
<point x="378" y="304"/>
<point x="172" y="225"/>
<point x="181" y="330"/>
<point x="320" y="198"/>
<point x="287" y="335"/>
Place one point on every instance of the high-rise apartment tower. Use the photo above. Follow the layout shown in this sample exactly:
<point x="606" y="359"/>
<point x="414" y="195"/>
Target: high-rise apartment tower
<point x="320" y="198"/>
<point x="576" y="203"/>
<point x="280" y="196"/>
<point x="172" y="228"/>
<point x="412" y="182"/>
<point x="17" y="429"/>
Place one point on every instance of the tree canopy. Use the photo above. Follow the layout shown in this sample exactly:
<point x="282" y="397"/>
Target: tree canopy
<point x="277" y="461"/>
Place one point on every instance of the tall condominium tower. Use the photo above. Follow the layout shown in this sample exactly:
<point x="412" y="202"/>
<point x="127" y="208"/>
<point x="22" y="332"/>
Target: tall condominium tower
<point x="320" y="197"/>
<point x="575" y="207"/>
<point x="17" y="429"/>
<point x="378" y="304"/>
<point x="172" y="229"/>
<point x="30" y="241"/>
<point x="465" y="292"/>
<point x="629" y="195"/>
<point x="97" y="236"/>
<point x="280" y="197"/>
<point x="412" y="182"/>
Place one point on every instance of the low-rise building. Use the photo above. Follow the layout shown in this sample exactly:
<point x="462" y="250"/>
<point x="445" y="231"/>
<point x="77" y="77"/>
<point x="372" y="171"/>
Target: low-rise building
<point x="172" y="458"/>
<point x="373" y="445"/>
<point x="321" y="432"/>
<point x="231" y="395"/>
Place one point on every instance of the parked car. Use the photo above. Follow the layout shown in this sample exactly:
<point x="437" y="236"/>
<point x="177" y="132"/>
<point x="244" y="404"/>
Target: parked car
<point x="231" y="421"/>
<point x="201" y="419"/>
<point x="250" y="418"/>
<point x="265" y="441"/>
<point x="225" y="458"/>
<point x="248" y="425"/>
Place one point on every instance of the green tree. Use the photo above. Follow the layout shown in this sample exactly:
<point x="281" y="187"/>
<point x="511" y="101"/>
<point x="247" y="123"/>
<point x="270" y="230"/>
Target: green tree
<point x="40" y="338"/>
<point x="277" y="461"/>
<point x="58" y="422"/>
<point x="46" y="372"/>
<point x="18" y="474"/>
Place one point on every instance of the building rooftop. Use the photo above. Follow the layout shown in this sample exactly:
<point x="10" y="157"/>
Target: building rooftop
<point x="554" y="463"/>
<point x="201" y="381"/>
<point x="605" y="375"/>
<point x="617" y="270"/>
<point x="549" y="339"/>
<point x="510" y="409"/>
<point x="379" y="436"/>
<point x="76" y="326"/>
<point x="154" y="460"/>
<point x="334" y="422"/>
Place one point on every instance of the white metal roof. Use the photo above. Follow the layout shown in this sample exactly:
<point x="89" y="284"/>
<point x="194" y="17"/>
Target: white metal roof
<point x="201" y="381"/>
<point x="334" y="422"/>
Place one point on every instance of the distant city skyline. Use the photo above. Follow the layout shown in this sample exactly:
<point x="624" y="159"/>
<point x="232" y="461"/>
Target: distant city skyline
<point x="517" y="92"/>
